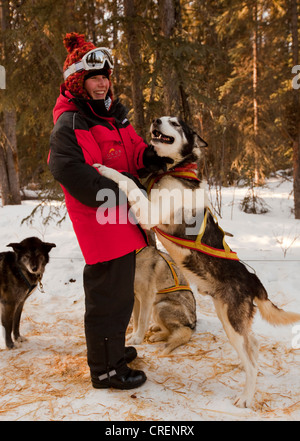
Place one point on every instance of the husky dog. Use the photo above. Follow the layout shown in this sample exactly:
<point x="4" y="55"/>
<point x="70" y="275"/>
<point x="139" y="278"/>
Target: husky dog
<point x="234" y="290"/>
<point x="160" y="287"/>
<point x="20" y="272"/>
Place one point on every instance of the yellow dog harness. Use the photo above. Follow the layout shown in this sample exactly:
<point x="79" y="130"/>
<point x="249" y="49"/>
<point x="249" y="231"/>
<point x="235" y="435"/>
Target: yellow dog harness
<point x="189" y="172"/>
<point x="177" y="286"/>
<point x="198" y="245"/>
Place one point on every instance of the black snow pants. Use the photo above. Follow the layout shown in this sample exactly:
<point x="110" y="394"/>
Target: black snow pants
<point x="109" y="298"/>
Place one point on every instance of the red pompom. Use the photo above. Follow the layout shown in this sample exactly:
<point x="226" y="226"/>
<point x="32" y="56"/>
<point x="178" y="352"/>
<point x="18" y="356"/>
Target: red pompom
<point x="73" y="41"/>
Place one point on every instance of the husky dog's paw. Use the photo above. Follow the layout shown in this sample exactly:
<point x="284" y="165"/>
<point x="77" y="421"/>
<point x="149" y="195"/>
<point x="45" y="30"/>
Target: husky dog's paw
<point x="13" y="345"/>
<point x="115" y="176"/>
<point x="167" y="350"/>
<point x="243" y="401"/>
<point x="108" y="172"/>
<point x="159" y="336"/>
<point x="104" y="171"/>
<point x="98" y="167"/>
<point x="21" y="339"/>
<point x="135" y="339"/>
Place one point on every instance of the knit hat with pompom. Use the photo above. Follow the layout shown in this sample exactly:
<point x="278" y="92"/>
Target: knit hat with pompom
<point x="77" y="47"/>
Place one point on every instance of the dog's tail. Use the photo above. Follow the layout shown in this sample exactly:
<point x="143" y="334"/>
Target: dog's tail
<point x="274" y="315"/>
<point x="179" y="337"/>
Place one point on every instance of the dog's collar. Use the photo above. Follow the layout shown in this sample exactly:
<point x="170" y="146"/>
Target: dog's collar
<point x="30" y="286"/>
<point x="185" y="172"/>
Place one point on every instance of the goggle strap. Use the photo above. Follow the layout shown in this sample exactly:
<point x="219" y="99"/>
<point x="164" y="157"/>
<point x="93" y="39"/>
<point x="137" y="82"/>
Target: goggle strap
<point x="79" y="66"/>
<point x="75" y="67"/>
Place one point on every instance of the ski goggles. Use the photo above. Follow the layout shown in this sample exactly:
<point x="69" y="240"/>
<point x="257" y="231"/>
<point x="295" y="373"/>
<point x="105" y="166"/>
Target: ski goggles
<point x="92" y="60"/>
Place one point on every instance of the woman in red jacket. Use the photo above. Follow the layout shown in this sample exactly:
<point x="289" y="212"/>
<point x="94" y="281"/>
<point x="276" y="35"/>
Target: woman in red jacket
<point x="92" y="127"/>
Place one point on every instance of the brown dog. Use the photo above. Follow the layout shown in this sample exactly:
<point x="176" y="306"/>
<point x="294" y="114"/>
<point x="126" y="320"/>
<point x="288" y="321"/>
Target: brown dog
<point x="20" y="273"/>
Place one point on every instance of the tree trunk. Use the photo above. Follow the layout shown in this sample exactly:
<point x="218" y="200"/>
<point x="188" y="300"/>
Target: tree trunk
<point x="4" y="185"/>
<point x="10" y="122"/>
<point x="135" y="62"/>
<point x="296" y="105"/>
<point x="115" y="39"/>
<point x="9" y="181"/>
<point x="255" y="106"/>
<point x="168" y="17"/>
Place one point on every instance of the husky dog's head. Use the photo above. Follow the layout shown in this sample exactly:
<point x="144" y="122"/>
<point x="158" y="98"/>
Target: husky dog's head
<point x="32" y="254"/>
<point x="173" y="138"/>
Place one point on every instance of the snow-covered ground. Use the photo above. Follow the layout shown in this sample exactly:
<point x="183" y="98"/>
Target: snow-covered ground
<point x="47" y="377"/>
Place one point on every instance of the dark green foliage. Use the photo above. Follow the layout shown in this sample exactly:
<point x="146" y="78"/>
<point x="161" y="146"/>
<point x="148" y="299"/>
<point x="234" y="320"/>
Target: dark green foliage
<point x="253" y="204"/>
<point x="208" y="53"/>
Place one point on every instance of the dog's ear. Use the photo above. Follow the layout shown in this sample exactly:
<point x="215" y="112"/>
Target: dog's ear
<point x="192" y="136"/>
<point x="17" y="247"/>
<point x="48" y="246"/>
<point x="199" y="142"/>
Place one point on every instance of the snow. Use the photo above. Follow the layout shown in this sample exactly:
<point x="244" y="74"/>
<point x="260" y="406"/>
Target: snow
<point x="47" y="378"/>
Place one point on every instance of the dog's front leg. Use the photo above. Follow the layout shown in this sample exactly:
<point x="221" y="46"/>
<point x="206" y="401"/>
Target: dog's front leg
<point x="138" y="201"/>
<point x="7" y="314"/>
<point x="138" y="335"/>
<point x="16" y="324"/>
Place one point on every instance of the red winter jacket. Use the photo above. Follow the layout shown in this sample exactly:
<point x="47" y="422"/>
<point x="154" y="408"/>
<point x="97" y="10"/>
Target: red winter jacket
<point x="86" y="133"/>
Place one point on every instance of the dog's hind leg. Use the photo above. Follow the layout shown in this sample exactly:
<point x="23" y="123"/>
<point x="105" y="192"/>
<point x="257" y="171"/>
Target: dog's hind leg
<point x="163" y="333"/>
<point x="178" y="337"/>
<point x="246" y="347"/>
<point x="160" y="336"/>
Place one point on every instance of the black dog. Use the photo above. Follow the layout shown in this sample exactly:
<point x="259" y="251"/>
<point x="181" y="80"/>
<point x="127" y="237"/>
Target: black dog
<point x="20" y="273"/>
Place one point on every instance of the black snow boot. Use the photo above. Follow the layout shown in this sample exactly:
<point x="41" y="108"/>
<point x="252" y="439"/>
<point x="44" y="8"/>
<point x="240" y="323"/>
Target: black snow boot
<point x="115" y="372"/>
<point x="130" y="354"/>
<point x="120" y="378"/>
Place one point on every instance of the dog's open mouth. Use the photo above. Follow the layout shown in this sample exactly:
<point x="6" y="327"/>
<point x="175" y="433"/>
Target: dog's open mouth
<point x="158" y="136"/>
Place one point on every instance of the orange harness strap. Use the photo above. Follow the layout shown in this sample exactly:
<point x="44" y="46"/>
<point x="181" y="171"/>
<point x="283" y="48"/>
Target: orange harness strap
<point x="177" y="286"/>
<point x="226" y="253"/>
<point x="187" y="172"/>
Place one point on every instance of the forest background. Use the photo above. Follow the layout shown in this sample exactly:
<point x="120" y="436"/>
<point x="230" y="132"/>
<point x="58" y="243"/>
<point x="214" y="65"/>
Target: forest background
<point x="227" y="67"/>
